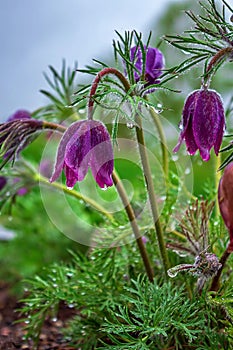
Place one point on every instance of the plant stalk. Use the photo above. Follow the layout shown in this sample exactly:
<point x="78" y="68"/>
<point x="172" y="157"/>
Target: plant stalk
<point x="132" y="219"/>
<point x="75" y="194"/>
<point x="151" y="193"/>
<point x="163" y="143"/>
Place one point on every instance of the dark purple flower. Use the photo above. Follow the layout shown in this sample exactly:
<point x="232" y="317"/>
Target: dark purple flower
<point x="203" y="123"/>
<point x="20" y="114"/>
<point x="153" y="65"/>
<point x="85" y="144"/>
<point x="225" y="200"/>
<point x="3" y="182"/>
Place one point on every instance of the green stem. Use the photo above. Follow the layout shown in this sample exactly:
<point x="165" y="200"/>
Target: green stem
<point x="75" y="194"/>
<point x="132" y="219"/>
<point x="151" y="193"/>
<point x="163" y="143"/>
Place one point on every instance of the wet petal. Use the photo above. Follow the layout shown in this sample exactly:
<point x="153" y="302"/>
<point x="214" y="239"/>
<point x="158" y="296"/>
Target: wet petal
<point x="71" y="177"/>
<point x="206" y="122"/>
<point x="77" y="156"/>
<point x="225" y="200"/>
<point x="186" y="125"/>
<point x="101" y="161"/>
<point x="69" y="135"/>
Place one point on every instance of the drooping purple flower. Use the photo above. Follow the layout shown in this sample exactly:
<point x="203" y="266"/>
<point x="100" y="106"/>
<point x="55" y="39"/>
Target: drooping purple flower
<point x="85" y="144"/>
<point x="225" y="200"/>
<point x="153" y="65"/>
<point x="203" y="123"/>
<point x="20" y="114"/>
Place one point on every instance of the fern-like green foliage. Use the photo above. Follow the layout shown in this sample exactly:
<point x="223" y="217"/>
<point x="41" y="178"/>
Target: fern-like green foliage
<point x="117" y="312"/>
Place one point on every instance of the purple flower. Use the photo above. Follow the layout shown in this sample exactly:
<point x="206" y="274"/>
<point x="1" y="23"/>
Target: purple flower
<point x="225" y="200"/>
<point x="20" y="114"/>
<point x="203" y="123"/>
<point x="153" y="65"/>
<point x="3" y="182"/>
<point x="15" y="135"/>
<point x="85" y="144"/>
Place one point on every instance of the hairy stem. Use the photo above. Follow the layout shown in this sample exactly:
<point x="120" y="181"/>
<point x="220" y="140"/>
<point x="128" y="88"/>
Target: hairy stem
<point x="218" y="57"/>
<point x="95" y="83"/>
<point x="54" y="126"/>
<point x="216" y="280"/>
<point x="151" y="193"/>
<point x="75" y="194"/>
<point x="132" y="219"/>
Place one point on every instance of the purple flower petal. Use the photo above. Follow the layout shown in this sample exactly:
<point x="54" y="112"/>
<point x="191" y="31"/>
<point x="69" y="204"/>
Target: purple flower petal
<point x="77" y="150"/>
<point x="203" y="123"/>
<point x="101" y="161"/>
<point x="69" y="135"/>
<point x="225" y="200"/>
<point x="153" y="65"/>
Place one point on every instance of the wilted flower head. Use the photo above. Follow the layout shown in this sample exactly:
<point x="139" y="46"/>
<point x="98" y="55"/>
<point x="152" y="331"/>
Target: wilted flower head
<point x="203" y="123"/>
<point x="15" y="135"/>
<point x="20" y="114"/>
<point x="85" y="144"/>
<point x="154" y="64"/>
<point x="225" y="200"/>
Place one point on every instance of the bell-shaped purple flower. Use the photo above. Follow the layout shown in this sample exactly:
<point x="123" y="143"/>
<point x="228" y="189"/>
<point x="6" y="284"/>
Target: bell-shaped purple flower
<point x="85" y="144"/>
<point x="225" y="201"/>
<point x="203" y="123"/>
<point x="153" y="65"/>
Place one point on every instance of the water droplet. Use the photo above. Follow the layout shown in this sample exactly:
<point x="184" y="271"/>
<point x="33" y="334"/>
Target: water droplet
<point x="55" y="285"/>
<point x="159" y="108"/>
<point x="69" y="274"/>
<point x="71" y="305"/>
<point x="130" y="125"/>
<point x="54" y="319"/>
<point x="81" y="111"/>
<point x="27" y="321"/>
<point x="172" y="272"/>
<point x="104" y="188"/>
<point x="175" y="157"/>
<point x="100" y="274"/>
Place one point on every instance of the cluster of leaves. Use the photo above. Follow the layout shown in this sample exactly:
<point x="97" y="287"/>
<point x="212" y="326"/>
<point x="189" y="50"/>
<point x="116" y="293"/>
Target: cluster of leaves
<point x="212" y="32"/>
<point x="118" y="308"/>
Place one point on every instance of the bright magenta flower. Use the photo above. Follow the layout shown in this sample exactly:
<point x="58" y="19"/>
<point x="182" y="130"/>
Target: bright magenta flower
<point x="225" y="200"/>
<point x="85" y="144"/>
<point x="203" y="123"/>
